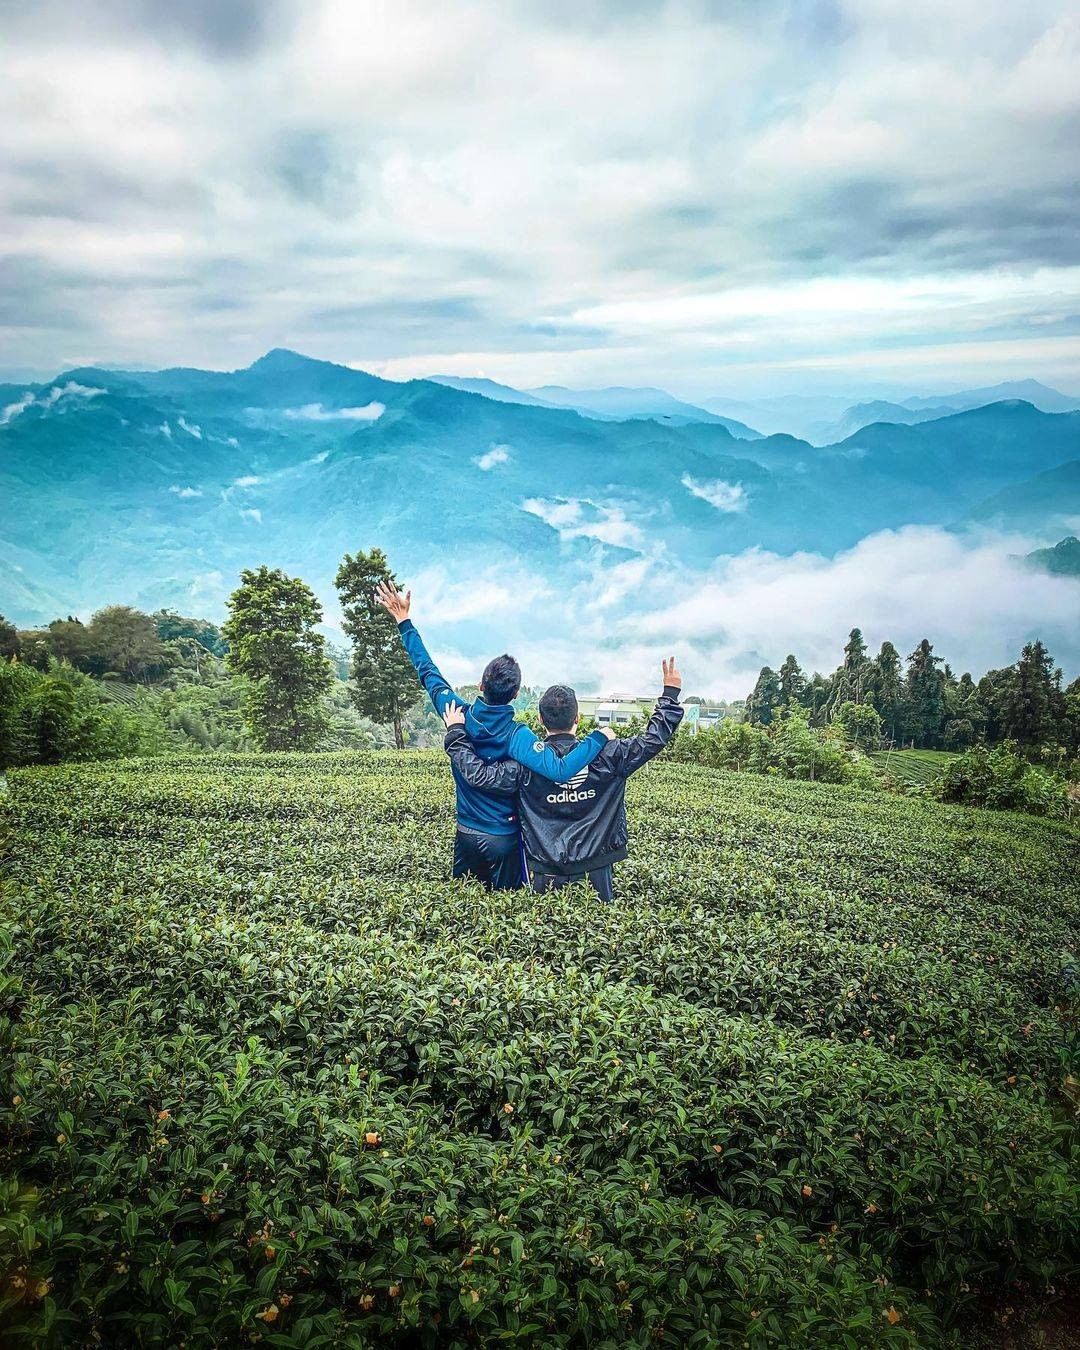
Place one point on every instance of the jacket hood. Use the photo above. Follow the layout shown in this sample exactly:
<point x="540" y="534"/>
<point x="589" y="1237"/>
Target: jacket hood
<point x="489" y="724"/>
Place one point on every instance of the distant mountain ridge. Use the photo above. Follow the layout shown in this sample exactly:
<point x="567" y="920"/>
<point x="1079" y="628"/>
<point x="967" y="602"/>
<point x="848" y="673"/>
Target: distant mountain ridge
<point x="158" y="487"/>
<point x="616" y="403"/>
<point x="825" y="419"/>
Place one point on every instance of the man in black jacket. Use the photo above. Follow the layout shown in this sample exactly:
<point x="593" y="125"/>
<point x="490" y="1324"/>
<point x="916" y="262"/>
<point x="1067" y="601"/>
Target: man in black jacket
<point x="578" y="828"/>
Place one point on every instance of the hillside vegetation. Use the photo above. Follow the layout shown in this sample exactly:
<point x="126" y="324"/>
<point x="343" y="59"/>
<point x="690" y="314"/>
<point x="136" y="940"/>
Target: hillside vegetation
<point x="275" y="1077"/>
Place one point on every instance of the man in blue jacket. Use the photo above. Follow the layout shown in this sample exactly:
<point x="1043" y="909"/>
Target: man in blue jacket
<point x="581" y="830"/>
<point x="487" y="844"/>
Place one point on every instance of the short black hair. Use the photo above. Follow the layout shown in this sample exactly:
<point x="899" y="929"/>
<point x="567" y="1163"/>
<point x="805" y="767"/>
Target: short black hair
<point x="558" y="708"/>
<point x="501" y="679"/>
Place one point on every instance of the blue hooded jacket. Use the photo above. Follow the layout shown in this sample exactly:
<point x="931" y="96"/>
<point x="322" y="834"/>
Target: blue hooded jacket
<point x="494" y="735"/>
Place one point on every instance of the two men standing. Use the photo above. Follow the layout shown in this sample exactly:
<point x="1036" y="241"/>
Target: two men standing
<point x="566" y="796"/>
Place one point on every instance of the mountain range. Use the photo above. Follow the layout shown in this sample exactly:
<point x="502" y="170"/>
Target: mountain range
<point x="823" y="419"/>
<point x="157" y="487"/>
<point x="616" y="404"/>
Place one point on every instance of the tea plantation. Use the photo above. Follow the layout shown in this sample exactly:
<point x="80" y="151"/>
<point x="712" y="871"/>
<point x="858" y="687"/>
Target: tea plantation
<point x="272" y="1078"/>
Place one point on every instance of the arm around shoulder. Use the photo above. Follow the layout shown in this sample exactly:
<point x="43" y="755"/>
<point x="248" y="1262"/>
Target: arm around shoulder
<point x="503" y="776"/>
<point x="534" y="755"/>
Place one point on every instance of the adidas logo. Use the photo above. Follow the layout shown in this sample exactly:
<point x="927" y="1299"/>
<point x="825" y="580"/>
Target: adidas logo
<point x="570" y="792"/>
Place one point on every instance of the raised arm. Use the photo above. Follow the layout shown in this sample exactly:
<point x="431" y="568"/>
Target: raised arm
<point x="533" y="754"/>
<point x="502" y="776"/>
<point x="630" y="754"/>
<point x="439" y="690"/>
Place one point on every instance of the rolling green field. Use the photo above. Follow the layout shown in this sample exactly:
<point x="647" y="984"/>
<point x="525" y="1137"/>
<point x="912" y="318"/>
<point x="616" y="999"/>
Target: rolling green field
<point x="918" y="767"/>
<point x="276" y="1080"/>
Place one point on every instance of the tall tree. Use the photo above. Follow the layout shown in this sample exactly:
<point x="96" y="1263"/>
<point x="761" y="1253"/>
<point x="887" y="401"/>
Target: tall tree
<point x="125" y="641"/>
<point x="965" y="705"/>
<point x="924" y="697"/>
<point x="1033" y="706"/>
<point x="888" y="682"/>
<point x="792" y="682"/>
<point x="385" y="686"/>
<point x="815" y="697"/>
<point x="992" y="690"/>
<point x="71" y="640"/>
<point x="852" y="679"/>
<point x="273" y="645"/>
<point x="1072" y="717"/>
<point x="765" y="703"/>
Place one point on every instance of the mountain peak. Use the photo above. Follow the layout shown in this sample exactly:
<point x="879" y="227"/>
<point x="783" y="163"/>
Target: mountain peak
<point x="283" y="358"/>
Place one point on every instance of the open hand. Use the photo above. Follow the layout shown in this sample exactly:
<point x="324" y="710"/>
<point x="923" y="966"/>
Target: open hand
<point x="672" y="677"/>
<point x="453" y="715"/>
<point x="391" y="599"/>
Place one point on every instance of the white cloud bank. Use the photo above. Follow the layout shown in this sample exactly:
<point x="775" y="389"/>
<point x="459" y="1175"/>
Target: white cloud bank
<point x="185" y="492"/>
<point x="975" y="601"/>
<point x="579" y="518"/>
<point x="498" y="454"/>
<point x="49" y="399"/>
<point x="727" y="497"/>
<point x="315" y="412"/>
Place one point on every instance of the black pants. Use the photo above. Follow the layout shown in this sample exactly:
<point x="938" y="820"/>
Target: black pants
<point x="494" y="859"/>
<point x="602" y="879"/>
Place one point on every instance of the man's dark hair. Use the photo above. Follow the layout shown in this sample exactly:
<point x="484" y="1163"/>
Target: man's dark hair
<point x="558" y="707"/>
<point x="501" y="680"/>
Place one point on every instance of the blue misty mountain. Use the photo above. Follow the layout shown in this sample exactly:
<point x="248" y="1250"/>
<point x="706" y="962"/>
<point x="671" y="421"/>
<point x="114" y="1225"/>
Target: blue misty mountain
<point x="1039" y="395"/>
<point x="615" y="404"/>
<point x="621" y="403"/>
<point x="823" y="419"/>
<point x="861" y="415"/>
<point x="158" y="487"/>
<point x="501" y="393"/>
<point x="1035" y="504"/>
<point x="1063" y="560"/>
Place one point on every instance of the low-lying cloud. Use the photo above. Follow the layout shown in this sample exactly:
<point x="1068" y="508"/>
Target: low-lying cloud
<point x="579" y="518"/>
<point x="315" y="412"/>
<point x="49" y="399"/>
<point x="498" y="454"/>
<point x="727" y="497"/>
<point x="974" y="598"/>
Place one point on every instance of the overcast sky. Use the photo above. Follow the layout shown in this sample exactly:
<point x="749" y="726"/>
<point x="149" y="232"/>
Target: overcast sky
<point x="723" y="198"/>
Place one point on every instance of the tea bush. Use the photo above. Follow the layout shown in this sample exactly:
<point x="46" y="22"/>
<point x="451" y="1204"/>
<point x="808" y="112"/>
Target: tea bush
<point x="273" y="1078"/>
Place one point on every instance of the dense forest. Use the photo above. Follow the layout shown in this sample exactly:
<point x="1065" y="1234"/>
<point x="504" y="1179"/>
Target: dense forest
<point x="922" y="703"/>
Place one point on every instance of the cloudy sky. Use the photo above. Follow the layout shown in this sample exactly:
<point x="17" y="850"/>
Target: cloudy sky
<point x="726" y="198"/>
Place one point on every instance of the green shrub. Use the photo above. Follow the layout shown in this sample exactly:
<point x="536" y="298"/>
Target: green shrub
<point x="1003" y="781"/>
<point x="47" y="717"/>
<point x="788" y="747"/>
